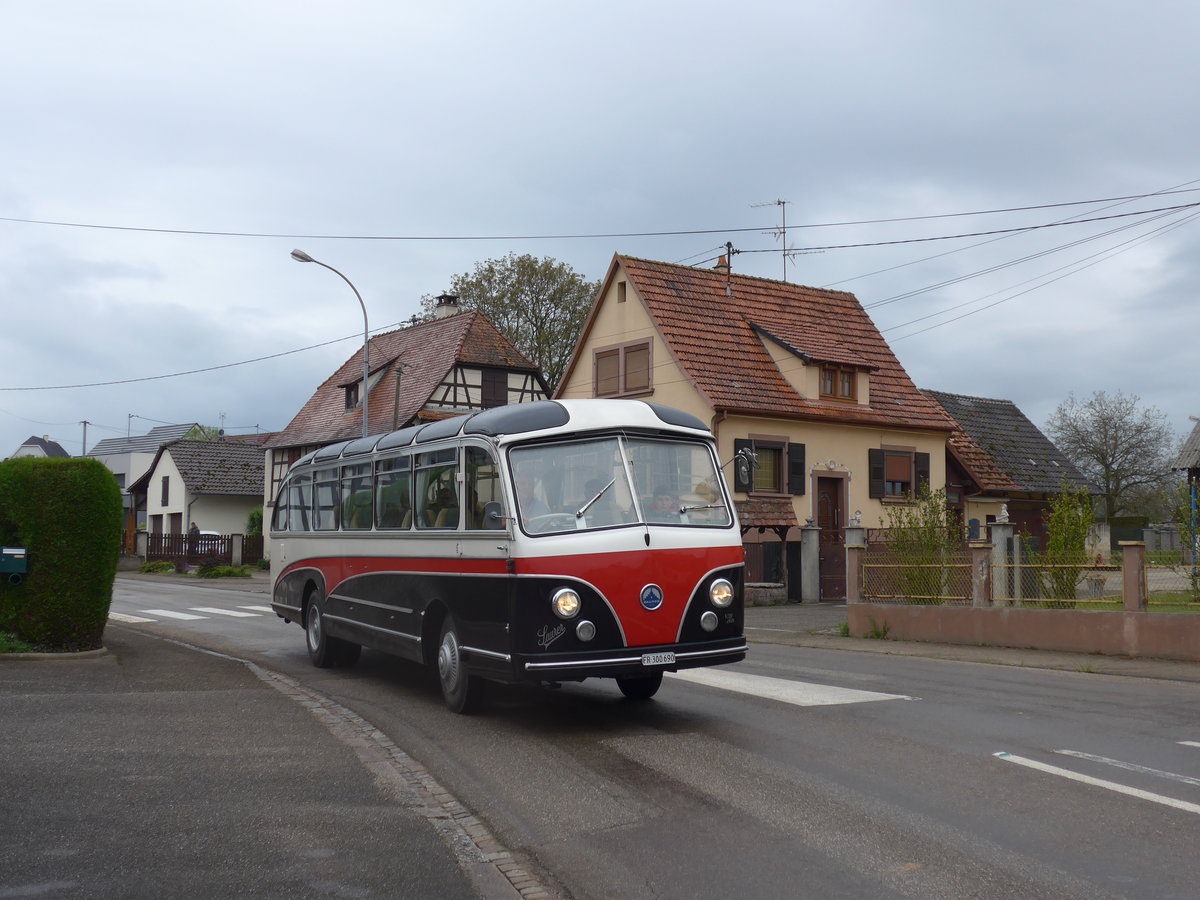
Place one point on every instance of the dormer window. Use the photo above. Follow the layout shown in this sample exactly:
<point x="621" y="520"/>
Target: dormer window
<point x="838" y="383"/>
<point x="352" y="395"/>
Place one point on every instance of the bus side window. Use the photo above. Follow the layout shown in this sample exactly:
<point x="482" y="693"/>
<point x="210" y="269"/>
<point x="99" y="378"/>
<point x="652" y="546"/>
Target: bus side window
<point x="483" y="487"/>
<point x="356" y="497"/>
<point x="325" y="500"/>
<point x="393" y="499"/>
<point x="437" y="489"/>
<point x="299" y="500"/>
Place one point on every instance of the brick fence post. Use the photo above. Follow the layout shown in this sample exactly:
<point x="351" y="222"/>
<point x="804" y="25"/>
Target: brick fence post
<point x="854" y="585"/>
<point x="1133" y="575"/>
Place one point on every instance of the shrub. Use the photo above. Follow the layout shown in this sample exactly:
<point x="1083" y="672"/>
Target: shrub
<point x="923" y="534"/>
<point x="213" y="570"/>
<point x="1062" y="565"/>
<point x="67" y="514"/>
<point x="157" y="567"/>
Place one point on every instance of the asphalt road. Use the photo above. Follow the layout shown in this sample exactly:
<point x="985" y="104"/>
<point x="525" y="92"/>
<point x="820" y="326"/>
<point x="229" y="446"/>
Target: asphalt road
<point x="803" y="772"/>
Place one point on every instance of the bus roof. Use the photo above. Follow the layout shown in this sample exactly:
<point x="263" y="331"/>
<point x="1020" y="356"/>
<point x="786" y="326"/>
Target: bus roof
<point x="547" y="416"/>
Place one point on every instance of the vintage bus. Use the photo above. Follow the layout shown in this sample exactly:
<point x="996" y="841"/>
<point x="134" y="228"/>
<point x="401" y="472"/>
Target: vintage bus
<point x="548" y="542"/>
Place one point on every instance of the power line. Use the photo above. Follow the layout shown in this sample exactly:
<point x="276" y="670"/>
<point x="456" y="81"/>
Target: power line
<point x="245" y="362"/>
<point x="583" y="236"/>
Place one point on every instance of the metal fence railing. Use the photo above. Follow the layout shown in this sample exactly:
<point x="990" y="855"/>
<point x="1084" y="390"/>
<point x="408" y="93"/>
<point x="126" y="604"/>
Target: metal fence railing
<point x="889" y="578"/>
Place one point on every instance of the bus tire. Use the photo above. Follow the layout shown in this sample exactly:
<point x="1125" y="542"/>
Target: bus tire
<point x="326" y="652"/>
<point x="461" y="690"/>
<point x="641" y="688"/>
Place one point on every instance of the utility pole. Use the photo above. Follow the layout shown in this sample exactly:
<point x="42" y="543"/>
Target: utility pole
<point x="85" y="423"/>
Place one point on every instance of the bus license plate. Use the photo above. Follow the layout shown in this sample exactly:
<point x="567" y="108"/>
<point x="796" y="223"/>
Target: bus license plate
<point x="658" y="659"/>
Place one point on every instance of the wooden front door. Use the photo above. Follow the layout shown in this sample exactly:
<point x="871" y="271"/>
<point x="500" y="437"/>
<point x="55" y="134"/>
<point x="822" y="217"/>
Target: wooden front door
<point x="831" y="521"/>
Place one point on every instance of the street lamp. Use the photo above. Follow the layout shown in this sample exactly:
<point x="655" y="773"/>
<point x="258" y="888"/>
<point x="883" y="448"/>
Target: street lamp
<point x="301" y="256"/>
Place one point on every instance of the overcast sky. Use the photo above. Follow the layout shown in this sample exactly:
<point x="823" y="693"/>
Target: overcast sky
<point x="144" y="128"/>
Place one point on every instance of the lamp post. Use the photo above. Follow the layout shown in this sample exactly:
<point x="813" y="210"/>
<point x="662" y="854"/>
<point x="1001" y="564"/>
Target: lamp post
<point x="301" y="256"/>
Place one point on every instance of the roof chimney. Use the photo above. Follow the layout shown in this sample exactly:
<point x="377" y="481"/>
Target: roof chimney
<point x="722" y="265"/>
<point x="447" y="305"/>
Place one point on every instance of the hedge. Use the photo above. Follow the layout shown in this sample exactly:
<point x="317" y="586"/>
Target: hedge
<point x="67" y="514"/>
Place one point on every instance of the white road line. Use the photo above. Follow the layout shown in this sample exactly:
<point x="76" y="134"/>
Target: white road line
<point x="212" y="610"/>
<point x="170" y="614"/>
<point x="1132" y="767"/>
<point x="262" y="609"/>
<point x="121" y="617"/>
<point x="1190" y="743"/>
<point x="798" y="693"/>
<point x="1096" y="782"/>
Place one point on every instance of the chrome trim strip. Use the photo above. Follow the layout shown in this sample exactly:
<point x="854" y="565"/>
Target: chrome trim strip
<point x="626" y="660"/>
<point x="492" y="653"/>
<point x="285" y="606"/>
<point x="391" y="631"/>
<point x="375" y="603"/>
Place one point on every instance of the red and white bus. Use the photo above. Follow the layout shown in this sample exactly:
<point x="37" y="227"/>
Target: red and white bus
<point x="547" y="542"/>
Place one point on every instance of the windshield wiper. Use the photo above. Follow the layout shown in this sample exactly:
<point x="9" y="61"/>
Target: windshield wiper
<point x="586" y="506"/>
<point x="685" y="509"/>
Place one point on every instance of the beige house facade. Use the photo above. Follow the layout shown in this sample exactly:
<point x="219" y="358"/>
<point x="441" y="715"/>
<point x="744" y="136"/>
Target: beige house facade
<point x="799" y="376"/>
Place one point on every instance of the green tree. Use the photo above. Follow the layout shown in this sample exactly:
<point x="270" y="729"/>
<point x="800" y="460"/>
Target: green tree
<point x="1119" y="446"/>
<point x="1185" y="513"/>
<point x="254" y="522"/>
<point x="540" y="304"/>
<point x="923" y="536"/>
<point x="1062" y="564"/>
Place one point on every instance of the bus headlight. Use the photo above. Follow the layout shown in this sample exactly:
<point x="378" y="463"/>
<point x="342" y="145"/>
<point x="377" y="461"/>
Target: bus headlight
<point x="566" y="603"/>
<point x="585" y="630"/>
<point x="720" y="592"/>
<point x="708" y="621"/>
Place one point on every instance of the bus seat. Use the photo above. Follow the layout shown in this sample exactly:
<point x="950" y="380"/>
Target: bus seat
<point x="407" y="520"/>
<point x="447" y="518"/>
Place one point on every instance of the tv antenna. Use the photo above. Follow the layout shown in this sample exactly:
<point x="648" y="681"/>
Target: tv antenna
<point x="781" y="232"/>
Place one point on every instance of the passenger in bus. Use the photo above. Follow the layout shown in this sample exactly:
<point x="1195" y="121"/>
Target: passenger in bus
<point x="664" y="510"/>
<point x="531" y="505"/>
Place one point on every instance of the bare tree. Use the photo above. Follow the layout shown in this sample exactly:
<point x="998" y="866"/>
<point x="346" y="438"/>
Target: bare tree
<point x="540" y="304"/>
<point x="1122" y="448"/>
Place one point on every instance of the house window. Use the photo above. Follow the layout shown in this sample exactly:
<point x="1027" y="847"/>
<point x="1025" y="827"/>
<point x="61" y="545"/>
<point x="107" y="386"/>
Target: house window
<point x="166" y="491"/>
<point x="838" y="384"/>
<point x="778" y="469"/>
<point x="622" y="371"/>
<point x="621" y="290"/>
<point x="352" y="395"/>
<point x="897" y="473"/>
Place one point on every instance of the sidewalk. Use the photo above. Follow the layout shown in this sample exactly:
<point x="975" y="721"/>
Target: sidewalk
<point x="157" y="770"/>
<point x="817" y="625"/>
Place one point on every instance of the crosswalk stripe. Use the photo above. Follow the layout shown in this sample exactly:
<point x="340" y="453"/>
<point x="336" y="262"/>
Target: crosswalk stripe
<point x="237" y="614"/>
<point x="262" y="609"/>
<point x="121" y="617"/>
<point x="170" y="614"/>
<point x="798" y="693"/>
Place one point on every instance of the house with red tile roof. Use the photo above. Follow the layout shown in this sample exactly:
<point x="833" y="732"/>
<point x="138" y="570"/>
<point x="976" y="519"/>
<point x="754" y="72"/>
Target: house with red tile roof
<point x="452" y="364"/>
<point x="798" y="375"/>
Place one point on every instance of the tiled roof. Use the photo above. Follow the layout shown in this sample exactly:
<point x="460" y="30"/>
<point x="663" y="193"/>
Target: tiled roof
<point x="50" y="448"/>
<point x="219" y="467"/>
<point x="766" y="512"/>
<point x="426" y="353"/>
<point x="1189" y="455"/>
<point x="142" y="443"/>
<point x="712" y="322"/>
<point x="997" y="442"/>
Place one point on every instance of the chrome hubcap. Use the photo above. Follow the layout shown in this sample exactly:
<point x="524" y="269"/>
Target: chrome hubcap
<point x="448" y="660"/>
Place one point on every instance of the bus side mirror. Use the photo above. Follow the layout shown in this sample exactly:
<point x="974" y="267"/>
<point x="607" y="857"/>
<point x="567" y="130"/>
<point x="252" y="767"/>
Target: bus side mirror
<point x="493" y="515"/>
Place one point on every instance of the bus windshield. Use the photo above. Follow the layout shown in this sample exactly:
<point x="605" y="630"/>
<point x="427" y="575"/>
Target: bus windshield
<point x="615" y="481"/>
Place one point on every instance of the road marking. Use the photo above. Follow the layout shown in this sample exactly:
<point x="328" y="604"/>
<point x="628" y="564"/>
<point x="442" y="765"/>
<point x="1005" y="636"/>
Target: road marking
<point x="1132" y="767"/>
<point x="1190" y="743"/>
<point x="262" y="609"/>
<point x="237" y="614"/>
<point x="798" y="693"/>
<point x="170" y="614"/>
<point x="1097" y="782"/>
<point x="121" y="617"/>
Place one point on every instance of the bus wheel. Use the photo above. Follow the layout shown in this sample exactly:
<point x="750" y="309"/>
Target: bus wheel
<point x="325" y="651"/>
<point x="640" y="688"/>
<point x="461" y="690"/>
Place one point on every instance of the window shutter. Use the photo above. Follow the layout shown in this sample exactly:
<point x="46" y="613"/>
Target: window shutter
<point x="796" y="473"/>
<point x="921" y="461"/>
<point x="743" y="476"/>
<point x="875" y="487"/>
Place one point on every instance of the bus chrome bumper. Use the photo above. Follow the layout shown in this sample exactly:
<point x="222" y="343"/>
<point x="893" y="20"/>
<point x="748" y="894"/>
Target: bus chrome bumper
<point x="635" y="660"/>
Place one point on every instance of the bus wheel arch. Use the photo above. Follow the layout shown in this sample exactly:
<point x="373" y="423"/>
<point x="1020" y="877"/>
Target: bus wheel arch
<point x="461" y="690"/>
<point x="325" y="651"/>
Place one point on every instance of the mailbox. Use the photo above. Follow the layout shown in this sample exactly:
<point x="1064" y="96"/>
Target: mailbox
<point x="13" y="564"/>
